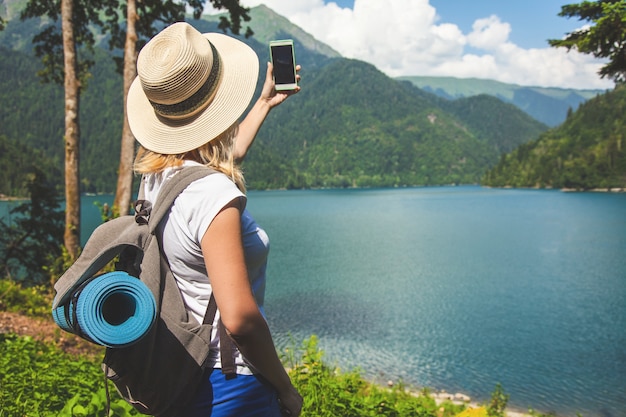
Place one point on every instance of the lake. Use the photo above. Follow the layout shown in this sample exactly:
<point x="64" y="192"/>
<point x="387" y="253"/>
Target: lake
<point x="455" y="288"/>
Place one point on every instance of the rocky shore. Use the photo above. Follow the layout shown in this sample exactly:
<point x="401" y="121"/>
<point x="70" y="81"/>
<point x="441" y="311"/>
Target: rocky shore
<point x="459" y="398"/>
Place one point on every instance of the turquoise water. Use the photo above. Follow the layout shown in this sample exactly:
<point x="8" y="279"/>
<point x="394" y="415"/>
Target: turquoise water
<point x="455" y="288"/>
<point x="458" y="289"/>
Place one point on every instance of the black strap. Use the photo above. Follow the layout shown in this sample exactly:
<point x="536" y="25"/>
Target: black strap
<point x="226" y="343"/>
<point x="211" y="310"/>
<point x="107" y="407"/>
<point x="226" y="351"/>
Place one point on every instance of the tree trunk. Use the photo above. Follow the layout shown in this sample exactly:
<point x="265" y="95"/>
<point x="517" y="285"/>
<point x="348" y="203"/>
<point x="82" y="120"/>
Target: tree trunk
<point x="71" y="236"/>
<point x="123" y="194"/>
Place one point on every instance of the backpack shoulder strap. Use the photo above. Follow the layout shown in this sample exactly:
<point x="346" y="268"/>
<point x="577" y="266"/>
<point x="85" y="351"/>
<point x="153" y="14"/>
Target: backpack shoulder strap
<point x="171" y="190"/>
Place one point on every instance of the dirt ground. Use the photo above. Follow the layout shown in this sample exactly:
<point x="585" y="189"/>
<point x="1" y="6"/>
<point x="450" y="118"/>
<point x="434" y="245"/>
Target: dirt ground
<point x="46" y="330"/>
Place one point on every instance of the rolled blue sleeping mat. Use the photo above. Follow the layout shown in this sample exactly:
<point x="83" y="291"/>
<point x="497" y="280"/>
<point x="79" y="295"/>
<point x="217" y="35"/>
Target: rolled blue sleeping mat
<point x="112" y="310"/>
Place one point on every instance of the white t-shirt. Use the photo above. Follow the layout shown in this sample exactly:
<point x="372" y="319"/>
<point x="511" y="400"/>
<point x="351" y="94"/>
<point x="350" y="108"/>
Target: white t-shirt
<point x="182" y="230"/>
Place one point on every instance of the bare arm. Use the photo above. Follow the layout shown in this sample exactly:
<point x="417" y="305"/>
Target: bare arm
<point x="250" y="125"/>
<point x="224" y="257"/>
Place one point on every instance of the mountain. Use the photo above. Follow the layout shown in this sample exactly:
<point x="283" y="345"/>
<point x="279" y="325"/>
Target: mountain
<point x="351" y="125"/>
<point x="10" y="9"/>
<point x="268" y="25"/>
<point x="491" y="119"/>
<point x="585" y="152"/>
<point x="548" y="105"/>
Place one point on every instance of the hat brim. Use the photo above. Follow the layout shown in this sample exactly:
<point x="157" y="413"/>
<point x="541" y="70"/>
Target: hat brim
<point x="239" y="78"/>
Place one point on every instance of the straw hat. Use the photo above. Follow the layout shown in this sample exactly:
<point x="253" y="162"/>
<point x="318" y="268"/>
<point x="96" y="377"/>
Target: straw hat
<point x="190" y="88"/>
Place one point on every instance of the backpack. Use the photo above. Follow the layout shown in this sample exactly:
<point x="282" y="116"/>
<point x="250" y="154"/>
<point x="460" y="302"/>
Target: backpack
<point x="158" y="373"/>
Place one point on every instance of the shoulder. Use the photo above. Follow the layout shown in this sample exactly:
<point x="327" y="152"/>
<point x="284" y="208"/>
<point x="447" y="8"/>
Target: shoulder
<point x="214" y="189"/>
<point x="203" y="199"/>
<point x="214" y="183"/>
<point x="212" y="186"/>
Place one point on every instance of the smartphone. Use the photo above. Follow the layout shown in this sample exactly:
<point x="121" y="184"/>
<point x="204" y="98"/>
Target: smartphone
<point x="283" y="58"/>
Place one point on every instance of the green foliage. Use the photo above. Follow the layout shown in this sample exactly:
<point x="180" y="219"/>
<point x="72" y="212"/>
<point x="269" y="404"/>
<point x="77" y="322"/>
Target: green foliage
<point x="59" y="265"/>
<point x="49" y="40"/>
<point x="330" y="393"/>
<point x="603" y="37"/>
<point x="586" y="152"/>
<point x="32" y="301"/>
<point x="40" y="380"/>
<point x="499" y="400"/>
<point x="489" y="118"/>
<point x="41" y="105"/>
<point x="153" y="15"/>
<point x="29" y="239"/>
<point x="19" y="162"/>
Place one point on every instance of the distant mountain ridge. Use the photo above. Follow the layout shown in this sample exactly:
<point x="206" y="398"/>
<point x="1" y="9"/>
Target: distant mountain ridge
<point x="549" y="105"/>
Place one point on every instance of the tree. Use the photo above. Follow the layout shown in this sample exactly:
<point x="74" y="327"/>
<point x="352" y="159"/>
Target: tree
<point x="62" y="65"/>
<point x="605" y="38"/>
<point x="499" y="400"/>
<point x="140" y="24"/>
<point x="30" y="242"/>
<point x="71" y="236"/>
<point x="59" y="53"/>
<point x="123" y="193"/>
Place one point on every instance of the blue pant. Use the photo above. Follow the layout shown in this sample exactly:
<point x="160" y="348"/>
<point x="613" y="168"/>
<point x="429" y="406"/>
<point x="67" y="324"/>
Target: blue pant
<point x="242" y="396"/>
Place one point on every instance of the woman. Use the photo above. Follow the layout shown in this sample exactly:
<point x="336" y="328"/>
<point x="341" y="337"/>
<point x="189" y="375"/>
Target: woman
<point x="183" y="109"/>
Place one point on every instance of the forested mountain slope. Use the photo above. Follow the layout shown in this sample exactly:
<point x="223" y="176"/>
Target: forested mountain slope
<point x="354" y="126"/>
<point x="585" y="152"/>
<point x="490" y="118"/>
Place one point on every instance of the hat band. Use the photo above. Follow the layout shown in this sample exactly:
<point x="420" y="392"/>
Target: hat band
<point x="200" y="99"/>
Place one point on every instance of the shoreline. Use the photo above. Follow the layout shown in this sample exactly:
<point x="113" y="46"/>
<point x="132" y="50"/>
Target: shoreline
<point x="4" y="197"/>
<point x="463" y="399"/>
<point x="459" y="398"/>
<point x="616" y="190"/>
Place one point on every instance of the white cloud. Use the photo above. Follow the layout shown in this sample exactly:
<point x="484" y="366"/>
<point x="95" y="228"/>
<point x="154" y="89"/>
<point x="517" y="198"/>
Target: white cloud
<point x="406" y="37"/>
<point x="489" y="33"/>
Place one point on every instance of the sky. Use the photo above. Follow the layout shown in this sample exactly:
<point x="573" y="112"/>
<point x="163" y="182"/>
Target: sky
<point x="503" y="40"/>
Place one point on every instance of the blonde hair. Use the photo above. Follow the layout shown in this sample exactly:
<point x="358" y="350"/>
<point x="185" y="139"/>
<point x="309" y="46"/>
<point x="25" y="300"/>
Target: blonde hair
<point x="216" y="154"/>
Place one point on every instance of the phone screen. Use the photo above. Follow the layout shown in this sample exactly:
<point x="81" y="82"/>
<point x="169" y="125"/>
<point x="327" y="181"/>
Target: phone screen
<point x="282" y="58"/>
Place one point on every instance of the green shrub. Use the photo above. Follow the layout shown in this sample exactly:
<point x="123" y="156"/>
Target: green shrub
<point x="499" y="400"/>
<point x="30" y="236"/>
<point x="32" y="301"/>
<point x="330" y="393"/>
<point x="39" y="380"/>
